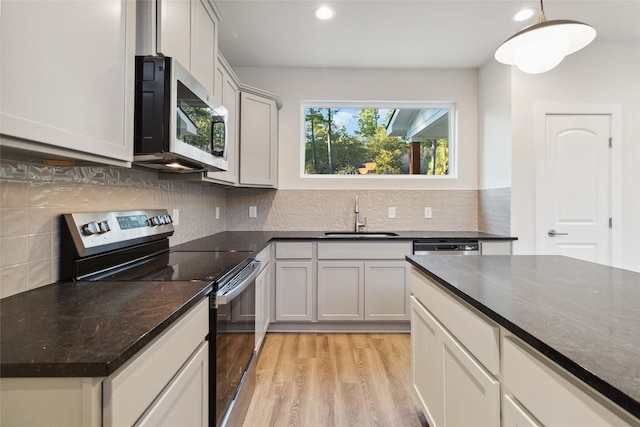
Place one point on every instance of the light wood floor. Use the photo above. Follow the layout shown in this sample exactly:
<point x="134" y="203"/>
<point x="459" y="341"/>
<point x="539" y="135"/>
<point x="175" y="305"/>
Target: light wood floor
<point x="323" y="380"/>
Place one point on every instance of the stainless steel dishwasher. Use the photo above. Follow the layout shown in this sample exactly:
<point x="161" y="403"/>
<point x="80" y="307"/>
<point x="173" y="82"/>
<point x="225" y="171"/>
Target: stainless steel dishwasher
<point x="445" y="247"/>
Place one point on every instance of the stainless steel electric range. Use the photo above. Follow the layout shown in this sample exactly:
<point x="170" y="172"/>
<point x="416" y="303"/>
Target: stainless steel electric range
<point x="134" y="246"/>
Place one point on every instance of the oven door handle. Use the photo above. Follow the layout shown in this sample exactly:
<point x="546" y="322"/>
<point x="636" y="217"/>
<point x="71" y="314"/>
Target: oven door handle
<point x="222" y="299"/>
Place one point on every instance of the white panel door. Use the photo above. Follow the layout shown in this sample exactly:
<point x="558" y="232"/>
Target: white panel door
<point x="577" y="185"/>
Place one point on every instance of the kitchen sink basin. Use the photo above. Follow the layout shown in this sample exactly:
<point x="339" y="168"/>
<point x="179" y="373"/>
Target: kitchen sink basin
<point x="362" y="235"/>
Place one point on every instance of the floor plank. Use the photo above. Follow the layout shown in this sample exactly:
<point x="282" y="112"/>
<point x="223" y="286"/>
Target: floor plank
<point x="334" y="380"/>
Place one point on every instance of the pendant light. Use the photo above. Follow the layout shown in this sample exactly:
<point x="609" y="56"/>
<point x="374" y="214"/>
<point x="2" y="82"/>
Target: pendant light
<point x="542" y="46"/>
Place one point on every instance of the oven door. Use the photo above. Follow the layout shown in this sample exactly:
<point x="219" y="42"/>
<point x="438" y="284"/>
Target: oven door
<point x="234" y="377"/>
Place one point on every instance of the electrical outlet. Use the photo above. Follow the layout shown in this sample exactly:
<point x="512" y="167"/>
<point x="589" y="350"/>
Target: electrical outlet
<point x="175" y="216"/>
<point x="428" y="214"/>
<point x="253" y="212"/>
<point x="392" y="212"/>
<point x="217" y="212"/>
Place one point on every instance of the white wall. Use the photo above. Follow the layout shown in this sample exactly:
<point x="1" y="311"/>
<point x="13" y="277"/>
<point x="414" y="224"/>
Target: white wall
<point x="602" y="73"/>
<point x="494" y="125"/>
<point x="294" y="85"/>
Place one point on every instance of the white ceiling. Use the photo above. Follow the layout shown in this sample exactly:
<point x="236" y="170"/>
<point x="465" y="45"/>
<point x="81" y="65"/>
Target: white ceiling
<point x="397" y="33"/>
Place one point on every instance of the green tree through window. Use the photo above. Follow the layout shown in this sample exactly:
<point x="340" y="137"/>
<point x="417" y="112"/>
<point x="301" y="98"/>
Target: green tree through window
<point x="376" y="141"/>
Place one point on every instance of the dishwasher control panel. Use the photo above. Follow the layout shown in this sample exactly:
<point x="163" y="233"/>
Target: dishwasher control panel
<point x="446" y="247"/>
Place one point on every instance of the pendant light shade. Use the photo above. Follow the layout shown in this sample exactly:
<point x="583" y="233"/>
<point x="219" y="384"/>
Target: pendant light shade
<point x="542" y="46"/>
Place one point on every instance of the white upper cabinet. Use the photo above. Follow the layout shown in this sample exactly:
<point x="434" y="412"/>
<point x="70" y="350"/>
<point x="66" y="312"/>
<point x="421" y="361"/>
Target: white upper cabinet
<point x="228" y="93"/>
<point x="258" y="138"/>
<point x="67" y="78"/>
<point x="174" y="30"/>
<point x="183" y="29"/>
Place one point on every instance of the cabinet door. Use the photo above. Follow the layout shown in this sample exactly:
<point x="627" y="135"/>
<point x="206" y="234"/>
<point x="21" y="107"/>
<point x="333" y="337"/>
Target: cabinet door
<point x="203" y="44"/>
<point x="67" y="77"/>
<point x="471" y="394"/>
<point x="294" y="296"/>
<point x="536" y="383"/>
<point x="426" y="356"/>
<point x="243" y="307"/>
<point x="227" y="92"/>
<point x="340" y="290"/>
<point x="386" y="290"/>
<point x="258" y="141"/>
<point x="174" y="30"/>
<point x="185" y="401"/>
<point x="263" y="304"/>
<point x="513" y="415"/>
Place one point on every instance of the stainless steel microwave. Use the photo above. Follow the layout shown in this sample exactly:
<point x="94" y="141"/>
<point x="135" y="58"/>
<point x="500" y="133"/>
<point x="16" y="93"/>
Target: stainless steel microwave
<point x="179" y="126"/>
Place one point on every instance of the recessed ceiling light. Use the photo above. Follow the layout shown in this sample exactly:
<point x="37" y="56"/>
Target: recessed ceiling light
<point x="524" y="14"/>
<point x="324" y="13"/>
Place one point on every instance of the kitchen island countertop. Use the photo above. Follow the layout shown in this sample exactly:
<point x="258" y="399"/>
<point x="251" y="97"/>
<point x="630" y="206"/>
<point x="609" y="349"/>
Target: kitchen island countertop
<point x="581" y="315"/>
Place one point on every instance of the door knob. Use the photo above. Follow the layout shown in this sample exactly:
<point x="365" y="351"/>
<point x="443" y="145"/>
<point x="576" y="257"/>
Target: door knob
<point x="553" y="233"/>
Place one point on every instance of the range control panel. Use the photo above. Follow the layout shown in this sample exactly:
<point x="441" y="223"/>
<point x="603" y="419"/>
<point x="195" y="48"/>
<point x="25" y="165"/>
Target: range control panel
<point x="99" y="232"/>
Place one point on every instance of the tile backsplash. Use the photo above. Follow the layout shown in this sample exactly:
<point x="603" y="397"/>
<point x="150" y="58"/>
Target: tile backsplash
<point x="333" y="210"/>
<point x="33" y="195"/>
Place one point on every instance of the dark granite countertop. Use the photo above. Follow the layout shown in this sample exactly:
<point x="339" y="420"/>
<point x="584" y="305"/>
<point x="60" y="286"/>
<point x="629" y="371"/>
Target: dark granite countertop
<point x="255" y="241"/>
<point x="87" y="329"/>
<point x="581" y="315"/>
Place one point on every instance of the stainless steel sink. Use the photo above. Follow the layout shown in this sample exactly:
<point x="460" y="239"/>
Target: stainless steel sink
<point x="361" y="235"/>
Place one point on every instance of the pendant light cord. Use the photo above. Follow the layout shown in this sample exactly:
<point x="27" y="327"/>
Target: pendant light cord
<point x="541" y="18"/>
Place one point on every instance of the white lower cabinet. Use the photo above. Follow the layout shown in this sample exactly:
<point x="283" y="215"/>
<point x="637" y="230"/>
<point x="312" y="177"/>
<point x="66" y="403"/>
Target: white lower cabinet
<point x="294" y="296"/>
<point x="386" y="295"/>
<point x="263" y="297"/>
<point x="427" y="361"/>
<point x="513" y="414"/>
<point x="453" y="388"/>
<point x="363" y="290"/>
<point x="468" y="371"/>
<point x="340" y="290"/>
<point x="168" y="379"/>
<point x="495" y="247"/>
<point x="294" y="281"/>
<point x="166" y="383"/>
<point x="548" y="395"/>
<point x="184" y="402"/>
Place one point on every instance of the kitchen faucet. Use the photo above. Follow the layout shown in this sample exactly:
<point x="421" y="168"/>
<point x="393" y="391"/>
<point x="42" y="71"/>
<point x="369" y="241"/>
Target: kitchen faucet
<point x="359" y="225"/>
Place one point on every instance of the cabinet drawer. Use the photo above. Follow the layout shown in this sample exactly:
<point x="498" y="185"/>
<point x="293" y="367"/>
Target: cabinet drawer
<point x="478" y="335"/>
<point x="131" y="389"/>
<point x="294" y="250"/>
<point x="495" y="248"/>
<point x="550" y="395"/>
<point x="364" y="250"/>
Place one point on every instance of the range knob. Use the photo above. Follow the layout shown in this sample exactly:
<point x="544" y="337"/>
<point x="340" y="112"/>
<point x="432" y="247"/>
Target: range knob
<point x="104" y="226"/>
<point x="153" y="221"/>
<point x="95" y="227"/>
<point x="90" y="228"/>
<point x="168" y="219"/>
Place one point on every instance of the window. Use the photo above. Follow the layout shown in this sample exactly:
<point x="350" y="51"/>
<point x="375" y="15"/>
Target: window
<point x="380" y="139"/>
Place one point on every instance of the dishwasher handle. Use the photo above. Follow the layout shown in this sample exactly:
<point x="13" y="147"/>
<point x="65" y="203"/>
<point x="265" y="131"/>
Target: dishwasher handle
<point x="238" y="283"/>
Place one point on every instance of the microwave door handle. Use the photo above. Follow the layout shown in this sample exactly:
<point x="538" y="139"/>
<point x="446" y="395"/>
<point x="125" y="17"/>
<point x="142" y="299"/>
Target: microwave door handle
<point x="212" y="135"/>
<point x="229" y="296"/>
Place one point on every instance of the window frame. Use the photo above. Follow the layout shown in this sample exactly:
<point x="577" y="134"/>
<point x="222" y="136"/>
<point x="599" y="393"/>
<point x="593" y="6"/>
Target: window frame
<point x="453" y="134"/>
